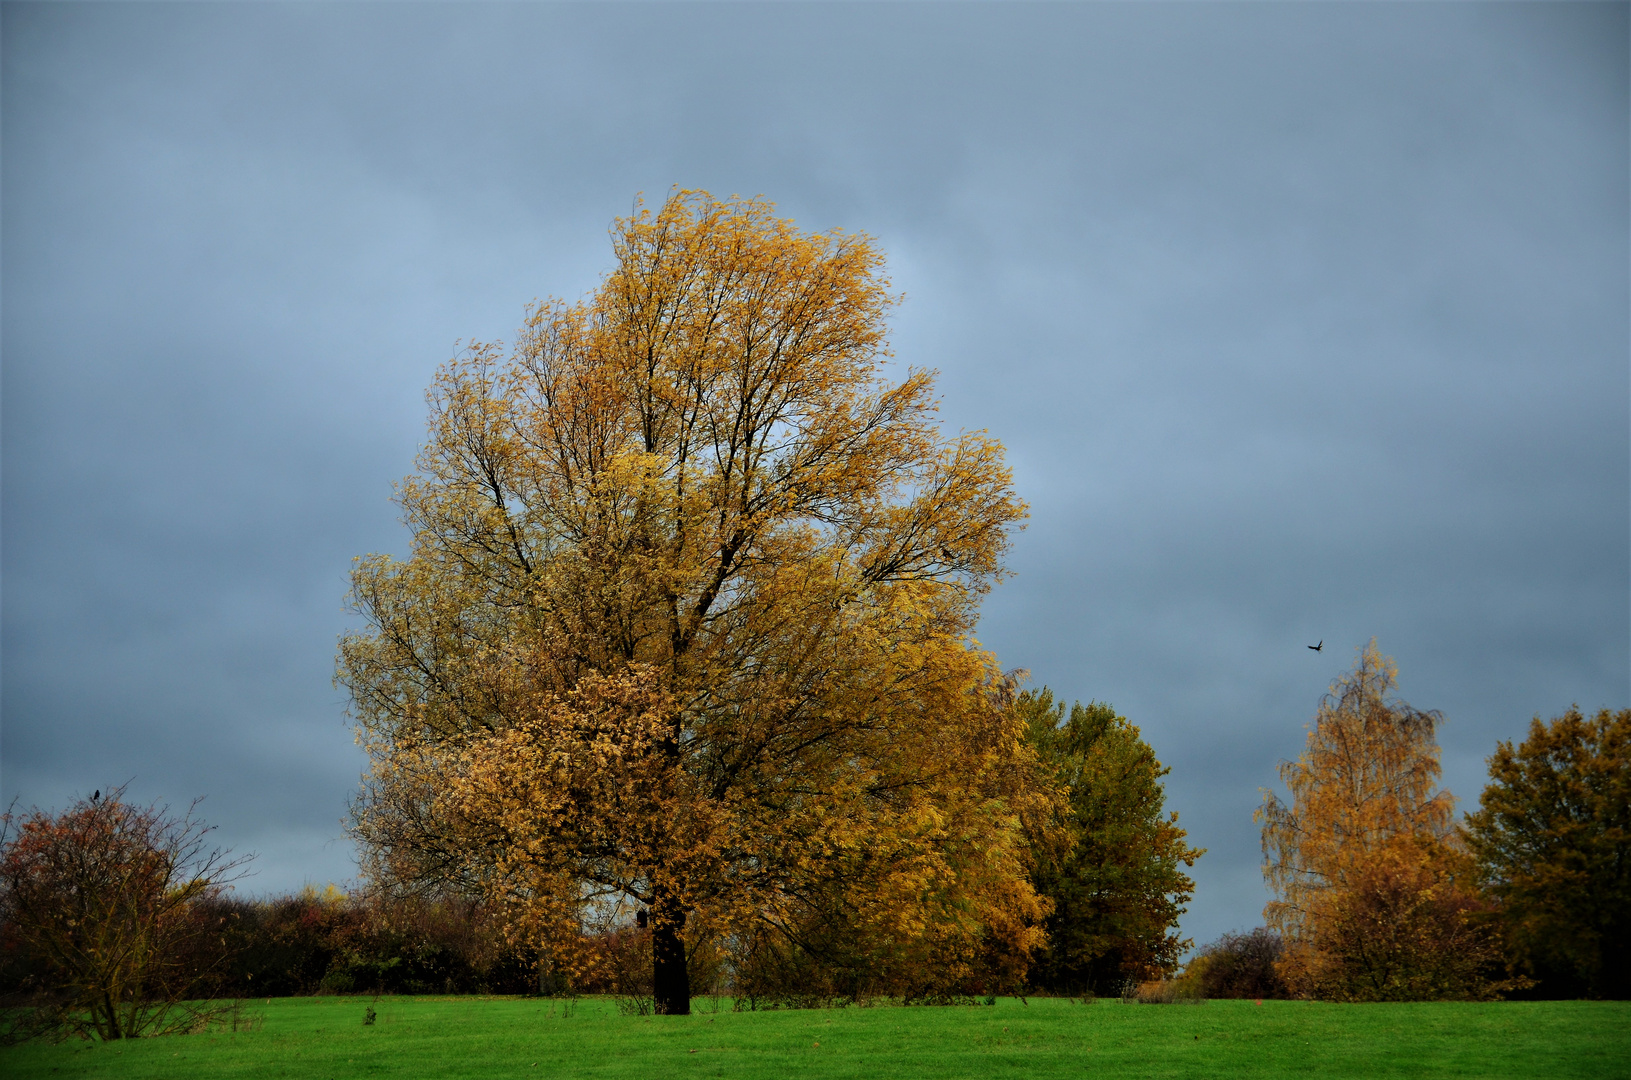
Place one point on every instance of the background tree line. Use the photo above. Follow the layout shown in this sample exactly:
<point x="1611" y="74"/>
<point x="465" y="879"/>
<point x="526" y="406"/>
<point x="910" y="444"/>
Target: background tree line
<point x="1380" y="894"/>
<point x="117" y="920"/>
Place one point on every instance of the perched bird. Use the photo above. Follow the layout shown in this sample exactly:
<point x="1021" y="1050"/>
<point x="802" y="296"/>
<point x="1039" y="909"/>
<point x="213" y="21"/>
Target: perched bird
<point x="1318" y="647"/>
<point x="96" y="795"/>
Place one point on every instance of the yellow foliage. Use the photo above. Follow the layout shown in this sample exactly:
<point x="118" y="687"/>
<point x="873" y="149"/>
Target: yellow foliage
<point x="1374" y="892"/>
<point x="686" y="619"/>
<point x="329" y="896"/>
<point x="1367" y="777"/>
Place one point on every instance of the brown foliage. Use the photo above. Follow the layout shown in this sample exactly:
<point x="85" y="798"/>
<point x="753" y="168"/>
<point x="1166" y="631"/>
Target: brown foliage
<point x="1164" y="992"/>
<point x="1239" y="966"/>
<point x="1553" y="838"/>
<point x="1371" y="883"/>
<point x="686" y="623"/>
<point x="328" y="942"/>
<point x="106" y="912"/>
<point x="1410" y="926"/>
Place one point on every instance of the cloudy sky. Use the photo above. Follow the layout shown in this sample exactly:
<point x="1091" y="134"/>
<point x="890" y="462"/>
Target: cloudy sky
<point x="1300" y="322"/>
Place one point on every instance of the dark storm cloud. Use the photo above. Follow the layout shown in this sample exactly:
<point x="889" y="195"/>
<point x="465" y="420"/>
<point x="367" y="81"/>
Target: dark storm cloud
<point x="1299" y="323"/>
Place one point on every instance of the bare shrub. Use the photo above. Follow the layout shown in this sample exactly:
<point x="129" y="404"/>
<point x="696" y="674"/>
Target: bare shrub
<point x="770" y="972"/>
<point x="628" y="963"/>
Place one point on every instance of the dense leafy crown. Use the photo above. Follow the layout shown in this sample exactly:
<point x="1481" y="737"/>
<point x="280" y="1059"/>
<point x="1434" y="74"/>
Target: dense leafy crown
<point x="1553" y="838"/>
<point x="686" y="618"/>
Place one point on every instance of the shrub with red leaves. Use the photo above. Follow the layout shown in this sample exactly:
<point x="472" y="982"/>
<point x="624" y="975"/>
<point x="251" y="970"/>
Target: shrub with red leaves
<point x="108" y="932"/>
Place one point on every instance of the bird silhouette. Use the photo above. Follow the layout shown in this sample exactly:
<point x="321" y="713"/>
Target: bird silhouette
<point x="97" y="795"/>
<point x="1318" y="647"/>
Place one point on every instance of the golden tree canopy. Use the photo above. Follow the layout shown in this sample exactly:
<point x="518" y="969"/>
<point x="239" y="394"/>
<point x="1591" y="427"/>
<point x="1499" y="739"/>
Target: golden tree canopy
<point x="686" y="621"/>
<point x="1367" y="778"/>
<point x="1374" y="891"/>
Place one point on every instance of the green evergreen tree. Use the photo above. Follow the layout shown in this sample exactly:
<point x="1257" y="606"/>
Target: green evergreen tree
<point x="1112" y="860"/>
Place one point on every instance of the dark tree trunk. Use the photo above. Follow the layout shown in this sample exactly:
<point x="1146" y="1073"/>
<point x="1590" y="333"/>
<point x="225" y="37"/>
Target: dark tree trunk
<point x="670" y="981"/>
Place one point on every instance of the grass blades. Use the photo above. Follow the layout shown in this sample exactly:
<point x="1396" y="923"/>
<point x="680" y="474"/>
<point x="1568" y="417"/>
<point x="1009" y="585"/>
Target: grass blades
<point x="426" y="1038"/>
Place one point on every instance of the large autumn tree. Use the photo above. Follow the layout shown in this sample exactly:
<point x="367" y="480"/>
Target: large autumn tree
<point x="1553" y="839"/>
<point x="1110" y="857"/>
<point x="685" y="626"/>
<point x="1374" y="893"/>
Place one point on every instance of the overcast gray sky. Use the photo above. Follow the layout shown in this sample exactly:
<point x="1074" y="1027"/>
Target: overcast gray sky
<point x="1300" y="322"/>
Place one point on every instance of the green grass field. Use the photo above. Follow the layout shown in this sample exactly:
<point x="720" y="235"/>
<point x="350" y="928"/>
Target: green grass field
<point x="433" y="1038"/>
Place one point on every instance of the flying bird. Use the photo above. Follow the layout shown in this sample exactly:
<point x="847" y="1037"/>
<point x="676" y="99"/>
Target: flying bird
<point x="1318" y="647"/>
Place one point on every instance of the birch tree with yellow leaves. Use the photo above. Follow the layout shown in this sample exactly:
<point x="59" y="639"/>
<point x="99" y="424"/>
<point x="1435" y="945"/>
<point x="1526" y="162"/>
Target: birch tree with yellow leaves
<point x="685" y="626"/>
<point x="1375" y="893"/>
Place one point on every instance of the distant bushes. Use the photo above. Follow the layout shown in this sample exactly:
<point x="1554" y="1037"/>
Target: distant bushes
<point x="1164" y="992"/>
<point x="1238" y="966"/>
<point x="329" y="943"/>
<point x="319" y="942"/>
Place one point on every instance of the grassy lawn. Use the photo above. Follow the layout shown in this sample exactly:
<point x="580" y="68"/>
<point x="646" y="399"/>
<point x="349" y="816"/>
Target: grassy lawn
<point x="427" y="1038"/>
